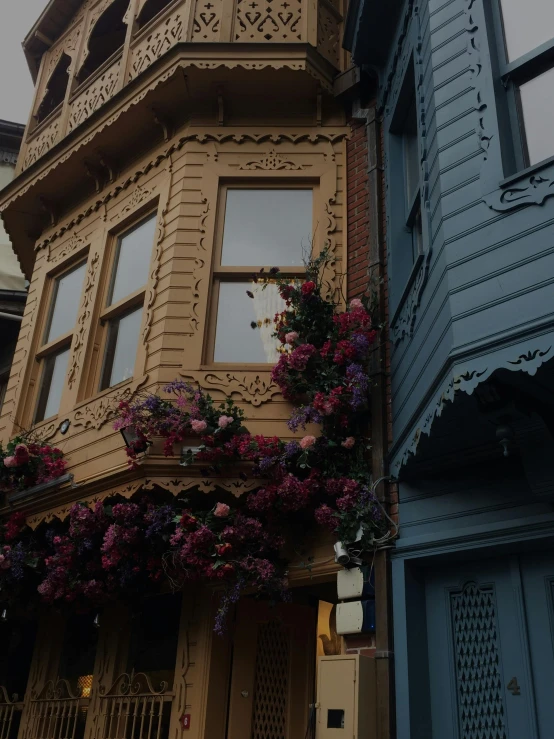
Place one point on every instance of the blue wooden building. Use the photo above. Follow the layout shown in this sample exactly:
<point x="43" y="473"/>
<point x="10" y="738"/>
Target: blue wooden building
<point x="466" y="104"/>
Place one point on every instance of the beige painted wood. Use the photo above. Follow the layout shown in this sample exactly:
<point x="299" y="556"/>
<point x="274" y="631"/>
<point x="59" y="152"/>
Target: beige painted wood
<point x="297" y="624"/>
<point x="347" y="683"/>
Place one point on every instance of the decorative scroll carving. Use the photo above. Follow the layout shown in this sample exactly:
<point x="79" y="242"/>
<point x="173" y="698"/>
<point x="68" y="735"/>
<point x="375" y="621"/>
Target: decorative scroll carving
<point x="55" y="691"/>
<point x="73" y="244"/>
<point x="404" y="324"/>
<point x="267" y="20"/>
<point x="43" y="142"/>
<point x="272" y="160"/>
<point x="98" y="412"/>
<point x="139" y="195"/>
<point x="82" y="321"/>
<point x="205" y="138"/>
<point x="328" y="33"/>
<point x="331" y="286"/>
<point x="466" y="379"/>
<point x="8" y="157"/>
<point x="207" y="19"/>
<point x="130" y="684"/>
<point x="255" y="388"/>
<point x="533" y="190"/>
<point x="98" y="93"/>
<point x="168" y="33"/>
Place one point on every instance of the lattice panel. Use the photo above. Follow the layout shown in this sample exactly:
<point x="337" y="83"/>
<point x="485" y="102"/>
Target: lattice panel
<point x="168" y="33"/>
<point x="481" y="711"/>
<point x="269" y="719"/>
<point x="98" y="93"/>
<point x="268" y="20"/>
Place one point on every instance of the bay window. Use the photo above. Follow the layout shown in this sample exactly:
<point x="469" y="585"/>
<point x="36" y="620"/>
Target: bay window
<point x="526" y="33"/>
<point x="122" y="316"/>
<point x="54" y="353"/>
<point x="257" y="227"/>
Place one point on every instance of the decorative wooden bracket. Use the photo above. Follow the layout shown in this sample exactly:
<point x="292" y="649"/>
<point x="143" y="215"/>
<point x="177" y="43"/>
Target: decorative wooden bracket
<point x="48" y="207"/>
<point x="162" y="121"/>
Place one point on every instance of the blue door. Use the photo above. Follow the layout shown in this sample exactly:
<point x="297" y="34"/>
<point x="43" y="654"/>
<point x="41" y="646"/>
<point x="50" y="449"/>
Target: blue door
<point x="537" y="573"/>
<point x="481" y="684"/>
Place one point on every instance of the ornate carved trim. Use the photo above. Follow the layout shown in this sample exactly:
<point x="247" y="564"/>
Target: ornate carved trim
<point x="531" y="190"/>
<point x="175" y="485"/>
<point x="153" y="289"/>
<point x="97" y="413"/>
<point x="465" y="378"/>
<point x="82" y="321"/>
<point x="272" y="160"/>
<point x="255" y="388"/>
<point x="73" y="244"/>
<point x="201" y="138"/>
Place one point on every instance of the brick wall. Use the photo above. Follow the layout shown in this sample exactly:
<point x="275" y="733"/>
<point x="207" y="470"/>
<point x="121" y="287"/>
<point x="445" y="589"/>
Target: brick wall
<point x="357" y="211"/>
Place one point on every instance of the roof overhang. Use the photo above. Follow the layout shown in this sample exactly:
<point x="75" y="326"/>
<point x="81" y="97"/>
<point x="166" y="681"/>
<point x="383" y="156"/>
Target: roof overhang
<point x="369" y="29"/>
<point x="52" y="22"/>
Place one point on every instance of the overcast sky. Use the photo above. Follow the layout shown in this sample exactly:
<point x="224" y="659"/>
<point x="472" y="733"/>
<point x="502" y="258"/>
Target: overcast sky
<point x="16" y="87"/>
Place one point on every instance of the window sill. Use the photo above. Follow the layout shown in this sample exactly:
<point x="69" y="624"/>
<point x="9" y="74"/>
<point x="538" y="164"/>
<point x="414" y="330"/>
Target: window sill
<point x="43" y="487"/>
<point x="529" y="171"/>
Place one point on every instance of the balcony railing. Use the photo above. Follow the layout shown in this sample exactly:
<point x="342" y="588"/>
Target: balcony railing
<point x="10" y="715"/>
<point x="317" y="23"/>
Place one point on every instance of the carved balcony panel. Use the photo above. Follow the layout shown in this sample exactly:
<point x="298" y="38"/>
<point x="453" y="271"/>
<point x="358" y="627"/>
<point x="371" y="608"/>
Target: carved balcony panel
<point x="98" y="91"/>
<point x="236" y="24"/>
<point x="154" y="43"/>
<point x="266" y="20"/>
<point x="42" y="140"/>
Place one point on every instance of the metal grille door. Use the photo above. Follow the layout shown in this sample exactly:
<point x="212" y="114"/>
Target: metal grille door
<point x="269" y="720"/>
<point x="481" y="710"/>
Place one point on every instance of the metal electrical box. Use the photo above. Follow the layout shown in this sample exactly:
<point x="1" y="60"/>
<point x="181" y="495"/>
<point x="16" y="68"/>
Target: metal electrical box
<point x="346" y="697"/>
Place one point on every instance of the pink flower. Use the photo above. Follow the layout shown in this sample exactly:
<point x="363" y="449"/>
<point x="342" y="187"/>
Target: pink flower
<point x="224" y="421"/>
<point x="356" y="304"/>
<point x="4" y="562"/>
<point x="198" y="426"/>
<point x="10" y="462"/>
<point x="222" y="510"/>
<point x="307" y="442"/>
<point x="291" y="337"/>
<point x="349" y="442"/>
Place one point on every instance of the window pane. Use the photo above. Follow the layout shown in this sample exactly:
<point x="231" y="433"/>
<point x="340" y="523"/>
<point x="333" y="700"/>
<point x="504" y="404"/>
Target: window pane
<point x="411" y="153"/>
<point x="537" y="104"/>
<point x="121" y="349"/>
<point x="133" y="260"/>
<point x="267" y="227"/>
<point x="53" y="383"/>
<point x="67" y="296"/>
<point x="235" y="339"/>
<point x="527" y="24"/>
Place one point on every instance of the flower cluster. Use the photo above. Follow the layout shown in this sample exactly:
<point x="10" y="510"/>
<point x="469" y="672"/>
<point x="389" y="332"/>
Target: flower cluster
<point x="27" y="461"/>
<point x="186" y="412"/>
<point x="124" y="549"/>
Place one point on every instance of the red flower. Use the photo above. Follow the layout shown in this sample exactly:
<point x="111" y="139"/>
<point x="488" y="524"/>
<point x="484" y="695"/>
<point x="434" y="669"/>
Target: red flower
<point x="308" y="288"/>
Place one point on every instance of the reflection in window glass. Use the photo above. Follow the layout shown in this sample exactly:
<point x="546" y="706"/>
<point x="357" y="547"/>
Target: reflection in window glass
<point x="267" y="227"/>
<point x="133" y="260"/>
<point x="235" y="339"/>
<point x="65" y="305"/>
<point x="53" y="383"/>
<point x="537" y="104"/>
<point x="527" y="24"/>
<point x="121" y="349"/>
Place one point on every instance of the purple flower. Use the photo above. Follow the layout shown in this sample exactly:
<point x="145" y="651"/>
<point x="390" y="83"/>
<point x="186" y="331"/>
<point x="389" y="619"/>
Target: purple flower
<point x="361" y="344"/>
<point x="159" y="519"/>
<point x="359" y="385"/>
<point x="302" y="416"/>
